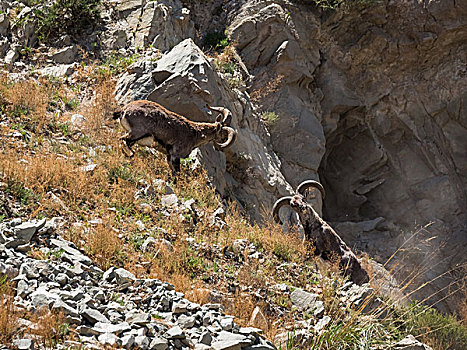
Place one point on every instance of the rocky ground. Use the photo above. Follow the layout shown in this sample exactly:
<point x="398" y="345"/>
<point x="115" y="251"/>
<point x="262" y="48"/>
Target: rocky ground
<point x="114" y="308"/>
<point x="110" y="307"/>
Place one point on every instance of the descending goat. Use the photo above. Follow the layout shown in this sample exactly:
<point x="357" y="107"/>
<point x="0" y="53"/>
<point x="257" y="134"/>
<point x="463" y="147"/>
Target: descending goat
<point x="150" y="124"/>
<point x="327" y="242"/>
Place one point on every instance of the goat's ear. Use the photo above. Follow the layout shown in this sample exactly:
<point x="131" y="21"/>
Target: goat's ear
<point x="219" y="118"/>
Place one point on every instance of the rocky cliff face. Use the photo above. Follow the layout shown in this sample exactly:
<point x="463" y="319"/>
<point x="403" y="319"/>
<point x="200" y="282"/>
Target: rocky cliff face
<point x="370" y="99"/>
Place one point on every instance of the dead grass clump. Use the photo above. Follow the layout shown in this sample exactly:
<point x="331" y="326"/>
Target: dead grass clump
<point x="99" y="112"/>
<point x="254" y="274"/>
<point x="50" y="328"/>
<point x="269" y="238"/>
<point x="241" y="305"/>
<point x="104" y="246"/>
<point x="199" y="295"/>
<point x="25" y="100"/>
<point x="269" y="88"/>
<point x="178" y="278"/>
<point x="31" y="177"/>
<point x="8" y="314"/>
<point x="193" y="183"/>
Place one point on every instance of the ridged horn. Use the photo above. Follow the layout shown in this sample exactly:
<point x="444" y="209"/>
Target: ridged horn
<point x="308" y="184"/>
<point x="278" y="205"/>
<point x="232" y="135"/>
<point x="224" y="111"/>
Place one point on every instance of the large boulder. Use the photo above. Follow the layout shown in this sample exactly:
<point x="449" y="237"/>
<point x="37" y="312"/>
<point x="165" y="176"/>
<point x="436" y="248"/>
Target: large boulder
<point x="161" y="24"/>
<point x="185" y="80"/>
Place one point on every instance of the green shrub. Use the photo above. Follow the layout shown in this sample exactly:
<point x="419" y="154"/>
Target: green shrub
<point x="269" y="118"/>
<point x="72" y="17"/>
<point x="115" y="64"/>
<point x="433" y="328"/>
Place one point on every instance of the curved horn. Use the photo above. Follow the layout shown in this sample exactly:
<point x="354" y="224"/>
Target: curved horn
<point x="225" y="112"/>
<point x="279" y="204"/>
<point x="308" y="184"/>
<point x="232" y="135"/>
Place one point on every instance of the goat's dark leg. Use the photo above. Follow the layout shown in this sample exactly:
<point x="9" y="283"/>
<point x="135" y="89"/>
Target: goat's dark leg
<point x="129" y="140"/>
<point x="174" y="164"/>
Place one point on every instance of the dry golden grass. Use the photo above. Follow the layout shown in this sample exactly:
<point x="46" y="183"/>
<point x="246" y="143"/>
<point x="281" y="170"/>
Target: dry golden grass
<point x="26" y="99"/>
<point x="50" y="328"/>
<point x="104" y="246"/>
<point x="9" y="315"/>
<point x="269" y="88"/>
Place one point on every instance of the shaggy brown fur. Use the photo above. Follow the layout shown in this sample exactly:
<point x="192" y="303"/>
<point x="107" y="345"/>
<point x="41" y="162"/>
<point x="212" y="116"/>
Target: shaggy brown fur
<point x="150" y="124"/>
<point x="327" y="242"/>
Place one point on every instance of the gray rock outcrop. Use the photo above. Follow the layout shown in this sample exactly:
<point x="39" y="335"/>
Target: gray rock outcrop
<point x="184" y="80"/>
<point x="373" y="101"/>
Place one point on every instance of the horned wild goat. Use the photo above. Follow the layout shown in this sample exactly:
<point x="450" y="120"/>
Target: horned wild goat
<point x="326" y="241"/>
<point x="150" y="124"/>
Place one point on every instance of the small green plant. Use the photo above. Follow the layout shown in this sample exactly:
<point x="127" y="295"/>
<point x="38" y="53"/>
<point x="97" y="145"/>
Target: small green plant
<point x="124" y="172"/>
<point x="137" y="241"/>
<point x="17" y="189"/>
<point x="71" y="104"/>
<point x="290" y="342"/>
<point x="115" y="64"/>
<point x="157" y="316"/>
<point x="216" y="41"/>
<point x="227" y="63"/>
<point x="3" y="283"/>
<point x="269" y="118"/>
<point x="117" y="298"/>
<point x="25" y="51"/>
<point x="55" y="253"/>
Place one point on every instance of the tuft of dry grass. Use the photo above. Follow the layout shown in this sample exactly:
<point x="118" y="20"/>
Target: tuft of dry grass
<point x="50" y="328"/>
<point x="26" y="101"/>
<point x="9" y="315"/>
<point x="271" y="87"/>
<point x="104" y="246"/>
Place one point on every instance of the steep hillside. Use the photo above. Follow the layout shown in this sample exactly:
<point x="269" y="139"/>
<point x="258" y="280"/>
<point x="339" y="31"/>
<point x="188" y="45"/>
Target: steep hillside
<point x="368" y="97"/>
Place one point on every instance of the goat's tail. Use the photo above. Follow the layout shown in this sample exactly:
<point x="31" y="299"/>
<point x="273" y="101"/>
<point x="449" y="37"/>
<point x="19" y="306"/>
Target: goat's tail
<point x="117" y="114"/>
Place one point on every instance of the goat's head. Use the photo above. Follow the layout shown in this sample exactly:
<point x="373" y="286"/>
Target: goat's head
<point x="222" y="122"/>
<point x="297" y="202"/>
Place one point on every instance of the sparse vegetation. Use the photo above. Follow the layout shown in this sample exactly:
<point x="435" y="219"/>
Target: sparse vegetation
<point x="227" y="63"/>
<point x="72" y="17"/>
<point x="8" y="315"/>
<point x="269" y="118"/>
<point x="115" y="64"/>
<point x="433" y="328"/>
<point x="117" y="207"/>
<point x="335" y="4"/>
<point x="216" y="40"/>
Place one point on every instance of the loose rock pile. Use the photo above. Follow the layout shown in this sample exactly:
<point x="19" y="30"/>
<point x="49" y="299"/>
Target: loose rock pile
<point x="110" y="307"/>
